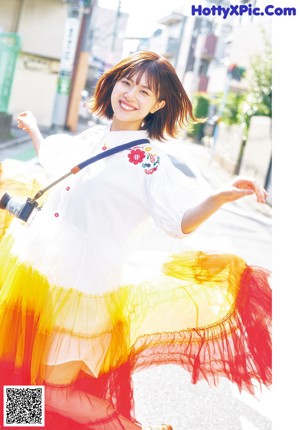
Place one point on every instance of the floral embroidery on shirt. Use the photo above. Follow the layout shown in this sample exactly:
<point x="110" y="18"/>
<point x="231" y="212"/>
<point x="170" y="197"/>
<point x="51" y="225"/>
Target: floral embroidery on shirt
<point x="136" y="156"/>
<point x="149" y="161"/>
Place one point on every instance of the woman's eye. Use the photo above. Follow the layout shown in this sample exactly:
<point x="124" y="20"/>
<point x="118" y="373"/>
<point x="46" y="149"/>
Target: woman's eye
<point x="126" y="83"/>
<point x="144" y="92"/>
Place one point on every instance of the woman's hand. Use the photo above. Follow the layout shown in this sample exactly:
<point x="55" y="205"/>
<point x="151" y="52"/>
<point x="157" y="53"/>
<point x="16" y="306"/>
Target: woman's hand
<point x="241" y="187"/>
<point x="238" y="188"/>
<point x="27" y="121"/>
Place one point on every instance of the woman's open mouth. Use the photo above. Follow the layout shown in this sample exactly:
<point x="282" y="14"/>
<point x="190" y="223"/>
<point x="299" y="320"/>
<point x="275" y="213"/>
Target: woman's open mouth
<point x="126" y="106"/>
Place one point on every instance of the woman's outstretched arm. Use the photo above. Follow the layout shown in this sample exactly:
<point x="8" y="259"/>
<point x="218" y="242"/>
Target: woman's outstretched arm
<point x="27" y="122"/>
<point x="237" y="189"/>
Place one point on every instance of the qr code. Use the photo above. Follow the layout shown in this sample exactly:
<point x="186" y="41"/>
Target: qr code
<point x="24" y="405"/>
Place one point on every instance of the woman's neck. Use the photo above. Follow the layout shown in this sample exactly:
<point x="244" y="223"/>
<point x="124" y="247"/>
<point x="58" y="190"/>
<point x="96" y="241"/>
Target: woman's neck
<point x="118" y="125"/>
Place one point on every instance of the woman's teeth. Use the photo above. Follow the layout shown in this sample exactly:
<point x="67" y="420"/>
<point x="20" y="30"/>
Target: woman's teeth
<point x="126" y="107"/>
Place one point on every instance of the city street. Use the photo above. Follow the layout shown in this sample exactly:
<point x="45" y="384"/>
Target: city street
<point x="165" y="394"/>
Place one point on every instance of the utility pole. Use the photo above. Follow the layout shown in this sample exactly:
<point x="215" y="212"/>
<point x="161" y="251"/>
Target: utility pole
<point x="115" y="31"/>
<point x="81" y="64"/>
<point x="196" y="68"/>
<point x="66" y="65"/>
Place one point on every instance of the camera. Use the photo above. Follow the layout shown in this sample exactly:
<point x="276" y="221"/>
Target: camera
<point x="19" y="209"/>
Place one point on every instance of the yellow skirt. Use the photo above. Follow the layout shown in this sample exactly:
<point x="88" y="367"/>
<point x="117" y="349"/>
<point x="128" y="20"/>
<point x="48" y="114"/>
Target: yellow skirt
<point x="209" y="313"/>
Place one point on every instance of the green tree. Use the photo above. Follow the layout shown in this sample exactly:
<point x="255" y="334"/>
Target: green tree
<point x="201" y="103"/>
<point x="232" y="110"/>
<point x="259" y="98"/>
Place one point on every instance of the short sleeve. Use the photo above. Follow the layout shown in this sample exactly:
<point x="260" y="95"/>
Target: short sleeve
<point x="54" y="154"/>
<point x="60" y="152"/>
<point x="169" y="194"/>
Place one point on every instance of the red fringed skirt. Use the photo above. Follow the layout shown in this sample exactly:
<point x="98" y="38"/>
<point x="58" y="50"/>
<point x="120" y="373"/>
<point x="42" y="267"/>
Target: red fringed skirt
<point x="209" y="313"/>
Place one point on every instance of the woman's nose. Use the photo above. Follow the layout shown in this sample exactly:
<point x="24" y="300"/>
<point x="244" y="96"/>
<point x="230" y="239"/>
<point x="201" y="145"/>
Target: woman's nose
<point x="130" y="94"/>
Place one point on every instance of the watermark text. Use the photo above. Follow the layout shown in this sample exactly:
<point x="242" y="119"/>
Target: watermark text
<point x="242" y="9"/>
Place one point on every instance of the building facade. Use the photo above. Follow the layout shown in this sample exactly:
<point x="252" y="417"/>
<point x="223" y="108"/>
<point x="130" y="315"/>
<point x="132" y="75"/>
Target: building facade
<point x="42" y="27"/>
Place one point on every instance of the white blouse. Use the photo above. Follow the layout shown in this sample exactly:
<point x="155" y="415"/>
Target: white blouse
<point x="79" y="238"/>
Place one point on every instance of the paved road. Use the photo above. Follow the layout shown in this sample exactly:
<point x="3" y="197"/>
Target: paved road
<point x="165" y="394"/>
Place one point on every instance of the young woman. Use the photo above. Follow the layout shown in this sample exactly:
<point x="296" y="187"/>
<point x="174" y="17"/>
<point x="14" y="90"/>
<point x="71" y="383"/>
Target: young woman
<point x="70" y="318"/>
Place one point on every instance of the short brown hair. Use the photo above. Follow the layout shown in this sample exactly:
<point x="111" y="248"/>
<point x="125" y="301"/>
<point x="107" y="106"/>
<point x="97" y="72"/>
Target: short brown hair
<point x="163" y="81"/>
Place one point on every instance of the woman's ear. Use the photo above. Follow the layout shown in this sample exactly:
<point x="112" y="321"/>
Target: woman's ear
<point x="157" y="106"/>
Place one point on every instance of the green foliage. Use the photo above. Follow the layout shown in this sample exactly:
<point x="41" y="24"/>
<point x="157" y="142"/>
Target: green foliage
<point x="236" y="72"/>
<point x="201" y="102"/>
<point x="239" y="108"/>
<point x="232" y="113"/>
<point x="259" y="98"/>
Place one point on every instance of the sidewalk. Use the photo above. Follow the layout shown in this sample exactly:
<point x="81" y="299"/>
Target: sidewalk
<point x="17" y="136"/>
<point x="204" y="167"/>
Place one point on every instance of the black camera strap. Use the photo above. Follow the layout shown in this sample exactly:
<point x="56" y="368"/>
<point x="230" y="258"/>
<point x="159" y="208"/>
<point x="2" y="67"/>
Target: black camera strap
<point x="89" y="161"/>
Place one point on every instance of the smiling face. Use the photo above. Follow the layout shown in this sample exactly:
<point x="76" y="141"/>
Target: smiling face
<point x="136" y="86"/>
<point x="132" y="100"/>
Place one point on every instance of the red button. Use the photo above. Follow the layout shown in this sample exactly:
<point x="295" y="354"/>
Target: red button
<point x="56" y="214"/>
<point x="67" y="188"/>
